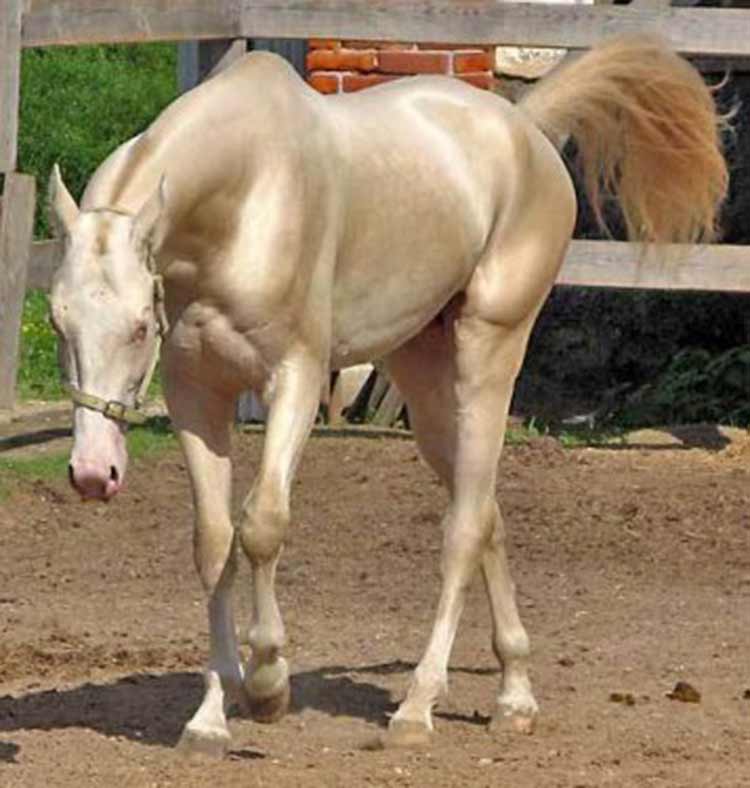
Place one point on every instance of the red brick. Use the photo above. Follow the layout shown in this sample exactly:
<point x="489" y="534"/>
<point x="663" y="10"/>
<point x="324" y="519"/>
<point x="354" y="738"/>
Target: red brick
<point x="323" y="43"/>
<point x="485" y="81"/>
<point x="380" y="45"/>
<point x="354" y="82"/>
<point x="341" y="60"/>
<point x="416" y="62"/>
<point x="325" y="82"/>
<point x="471" y="62"/>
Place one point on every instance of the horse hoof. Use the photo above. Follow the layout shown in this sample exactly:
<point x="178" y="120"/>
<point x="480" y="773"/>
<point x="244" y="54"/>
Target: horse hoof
<point x="208" y="743"/>
<point x="271" y="708"/>
<point x="268" y="691"/>
<point x="406" y="734"/>
<point x="514" y="720"/>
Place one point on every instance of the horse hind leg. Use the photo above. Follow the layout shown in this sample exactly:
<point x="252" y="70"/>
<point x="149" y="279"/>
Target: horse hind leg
<point x="457" y="378"/>
<point x="516" y="709"/>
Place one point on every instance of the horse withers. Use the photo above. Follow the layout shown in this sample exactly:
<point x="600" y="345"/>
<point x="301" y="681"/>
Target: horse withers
<point x="270" y="235"/>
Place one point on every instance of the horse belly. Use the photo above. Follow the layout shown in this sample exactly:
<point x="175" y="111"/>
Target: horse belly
<point x="376" y="311"/>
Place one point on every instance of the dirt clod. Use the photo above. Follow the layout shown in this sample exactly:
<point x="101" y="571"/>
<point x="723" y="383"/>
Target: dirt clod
<point x="685" y="692"/>
<point x="626" y="698"/>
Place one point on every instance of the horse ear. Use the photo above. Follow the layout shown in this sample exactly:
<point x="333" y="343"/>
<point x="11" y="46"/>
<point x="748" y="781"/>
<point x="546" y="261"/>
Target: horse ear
<point x="63" y="208"/>
<point x="149" y="225"/>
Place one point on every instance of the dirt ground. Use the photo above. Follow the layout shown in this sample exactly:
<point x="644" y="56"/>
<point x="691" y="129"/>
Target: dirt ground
<point x="633" y="572"/>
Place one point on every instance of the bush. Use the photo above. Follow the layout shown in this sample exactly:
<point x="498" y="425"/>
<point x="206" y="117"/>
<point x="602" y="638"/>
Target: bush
<point x="77" y="105"/>
<point x="696" y="387"/>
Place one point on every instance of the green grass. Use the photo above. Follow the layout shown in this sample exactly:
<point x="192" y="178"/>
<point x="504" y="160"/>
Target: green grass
<point x="38" y="373"/>
<point x="568" y="437"/>
<point x="152" y="438"/>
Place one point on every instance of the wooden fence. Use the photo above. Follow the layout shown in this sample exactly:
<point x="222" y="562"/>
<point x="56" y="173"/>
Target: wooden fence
<point x="711" y="34"/>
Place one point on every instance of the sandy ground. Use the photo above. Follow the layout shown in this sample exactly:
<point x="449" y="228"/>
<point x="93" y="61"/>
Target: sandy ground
<point x="633" y="571"/>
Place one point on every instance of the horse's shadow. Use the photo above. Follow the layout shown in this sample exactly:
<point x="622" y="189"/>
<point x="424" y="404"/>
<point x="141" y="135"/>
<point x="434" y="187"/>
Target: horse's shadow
<point x="151" y="708"/>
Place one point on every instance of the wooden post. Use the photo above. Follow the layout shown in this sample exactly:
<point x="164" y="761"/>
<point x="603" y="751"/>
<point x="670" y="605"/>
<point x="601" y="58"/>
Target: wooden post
<point x="10" y="75"/>
<point x="16" y="228"/>
<point x="17" y="206"/>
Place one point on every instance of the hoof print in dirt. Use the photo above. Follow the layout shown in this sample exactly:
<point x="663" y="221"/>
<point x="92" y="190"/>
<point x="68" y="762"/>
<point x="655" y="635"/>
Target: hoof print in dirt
<point x="405" y="734"/>
<point x="746" y="695"/>
<point x="626" y="698"/>
<point x="685" y="692"/>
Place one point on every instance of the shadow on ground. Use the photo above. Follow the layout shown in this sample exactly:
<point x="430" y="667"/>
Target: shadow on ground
<point x="152" y="708"/>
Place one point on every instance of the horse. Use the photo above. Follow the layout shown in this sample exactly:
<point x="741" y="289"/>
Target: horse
<point x="269" y="235"/>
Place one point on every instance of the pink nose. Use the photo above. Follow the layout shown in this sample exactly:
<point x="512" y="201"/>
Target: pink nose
<point x="94" y="483"/>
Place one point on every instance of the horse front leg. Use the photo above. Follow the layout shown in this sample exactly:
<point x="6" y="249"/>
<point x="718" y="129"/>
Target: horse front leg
<point x="202" y="421"/>
<point x="264" y="525"/>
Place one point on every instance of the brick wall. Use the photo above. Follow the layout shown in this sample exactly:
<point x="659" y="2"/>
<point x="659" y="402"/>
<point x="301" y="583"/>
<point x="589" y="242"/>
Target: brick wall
<point x="346" y="66"/>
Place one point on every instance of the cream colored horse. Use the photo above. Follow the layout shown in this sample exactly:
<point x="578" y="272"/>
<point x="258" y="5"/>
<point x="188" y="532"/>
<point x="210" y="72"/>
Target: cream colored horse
<point x="423" y="222"/>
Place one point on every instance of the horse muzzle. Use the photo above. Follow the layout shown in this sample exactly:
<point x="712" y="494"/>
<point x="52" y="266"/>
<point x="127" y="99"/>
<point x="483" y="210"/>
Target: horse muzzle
<point x="94" y="482"/>
<point x="99" y="457"/>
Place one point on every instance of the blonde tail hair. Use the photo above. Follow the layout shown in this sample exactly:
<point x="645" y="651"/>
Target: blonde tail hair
<point x="648" y="133"/>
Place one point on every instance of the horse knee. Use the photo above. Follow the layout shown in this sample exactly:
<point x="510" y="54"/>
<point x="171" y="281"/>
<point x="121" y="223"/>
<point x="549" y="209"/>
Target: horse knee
<point x="468" y="534"/>
<point x="213" y="552"/>
<point x="263" y="529"/>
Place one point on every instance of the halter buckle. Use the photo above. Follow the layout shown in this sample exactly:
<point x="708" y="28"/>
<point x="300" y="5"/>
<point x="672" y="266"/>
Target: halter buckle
<point x="115" y="410"/>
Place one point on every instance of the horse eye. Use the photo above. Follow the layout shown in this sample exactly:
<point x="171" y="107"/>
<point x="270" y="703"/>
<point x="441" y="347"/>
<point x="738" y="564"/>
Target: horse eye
<point x="140" y="333"/>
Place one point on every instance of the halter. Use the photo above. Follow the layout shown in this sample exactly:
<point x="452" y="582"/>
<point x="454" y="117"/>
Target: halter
<point x="119" y="411"/>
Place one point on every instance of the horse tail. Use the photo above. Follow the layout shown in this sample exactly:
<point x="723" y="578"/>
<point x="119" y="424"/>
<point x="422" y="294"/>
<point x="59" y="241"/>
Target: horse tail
<point x="647" y="133"/>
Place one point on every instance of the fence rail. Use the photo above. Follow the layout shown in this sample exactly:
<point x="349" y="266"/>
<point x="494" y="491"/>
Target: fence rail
<point x="717" y="35"/>
<point x="693" y="31"/>
<point x="720" y="268"/>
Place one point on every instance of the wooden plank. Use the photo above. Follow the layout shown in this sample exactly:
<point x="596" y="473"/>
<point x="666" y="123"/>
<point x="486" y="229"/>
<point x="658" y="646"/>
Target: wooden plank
<point x="615" y="264"/>
<point x="707" y="31"/>
<point x="198" y="60"/>
<point x="57" y="22"/>
<point x="44" y="260"/>
<point x="345" y="391"/>
<point x="10" y="76"/>
<point x="719" y="267"/>
<point x="702" y="31"/>
<point x="378" y="391"/>
<point x="390" y="408"/>
<point x="16" y="226"/>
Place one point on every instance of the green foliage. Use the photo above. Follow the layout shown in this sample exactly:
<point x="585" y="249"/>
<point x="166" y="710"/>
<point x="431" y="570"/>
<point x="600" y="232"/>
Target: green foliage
<point x="38" y="374"/>
<point x="79" y="103"/>
<point x="696" y="387"/>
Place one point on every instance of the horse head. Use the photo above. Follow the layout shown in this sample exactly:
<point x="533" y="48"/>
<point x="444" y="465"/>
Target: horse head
<point x="106" y="307"/>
